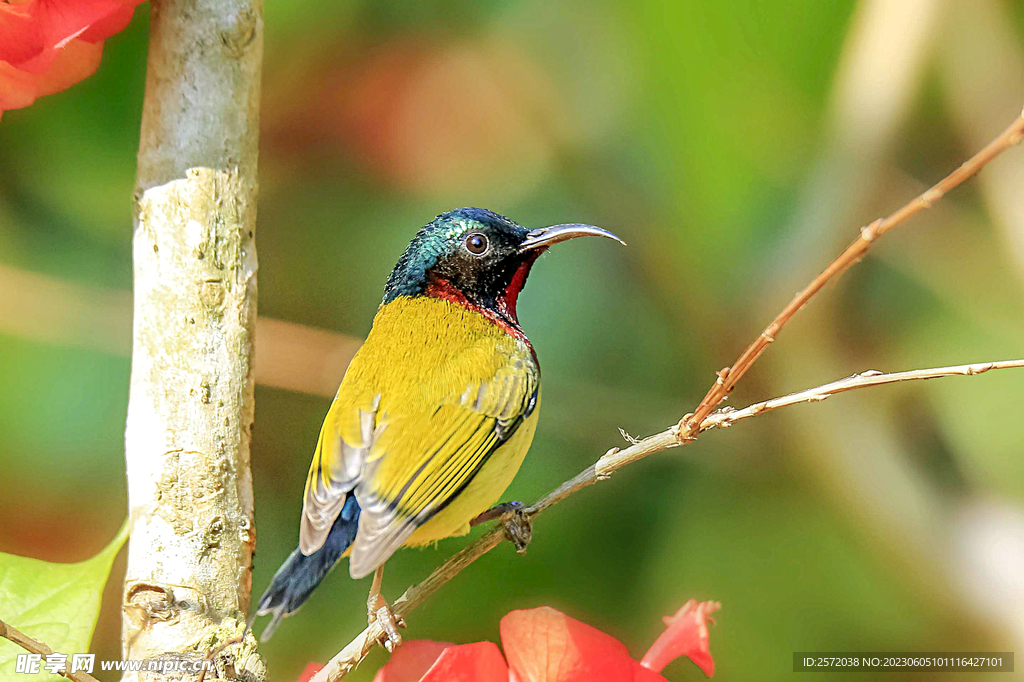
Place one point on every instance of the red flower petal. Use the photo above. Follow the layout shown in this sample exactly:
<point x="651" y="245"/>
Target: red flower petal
<point x="20" y="88"/>
<point x="19" y="37"/>
<point x="115" y="22"/>
<point x="687" y="635"/>
<point x="411" y="661"/>
<point x="642" y="674"/>
<point x="307" y="674"/>
<point x="32" y="33"/>
<point x="49" y="45"/>
<point x="479" y="662"/>
<point x="545" y="645"/>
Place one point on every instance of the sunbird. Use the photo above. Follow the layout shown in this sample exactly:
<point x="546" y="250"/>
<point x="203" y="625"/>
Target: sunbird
<point x="435" y="413"/>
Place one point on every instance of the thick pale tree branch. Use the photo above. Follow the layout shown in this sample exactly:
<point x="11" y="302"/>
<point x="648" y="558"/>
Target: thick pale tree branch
<point x="702" y="419"/>
<point x="36" y="647"/>
<point x="190" y="407"/>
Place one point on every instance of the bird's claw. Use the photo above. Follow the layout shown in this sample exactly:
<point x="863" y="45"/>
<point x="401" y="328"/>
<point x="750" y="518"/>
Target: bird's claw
<point x="518" y="526"/>
<point x="389" y="624"/>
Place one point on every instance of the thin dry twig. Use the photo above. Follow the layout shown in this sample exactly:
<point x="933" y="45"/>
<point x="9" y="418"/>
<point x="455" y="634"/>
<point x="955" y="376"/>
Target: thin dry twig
<point x="701" y="419"/>
<point x="729" y="416"/>
<point x="36" y="647"/>
<point x="690" y="425"/>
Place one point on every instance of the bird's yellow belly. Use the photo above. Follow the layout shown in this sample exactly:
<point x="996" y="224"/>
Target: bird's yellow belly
<point x="483" y="491"/>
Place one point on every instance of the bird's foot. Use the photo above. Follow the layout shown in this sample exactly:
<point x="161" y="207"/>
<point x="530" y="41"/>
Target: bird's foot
<point x="378" y="609"/>
<point x="495" y="512"/>
<point x="517" y="523"/>
<point x="518" y="527"/>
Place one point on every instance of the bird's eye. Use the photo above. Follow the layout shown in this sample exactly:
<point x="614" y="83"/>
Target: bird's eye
<point x="476" y="243"/>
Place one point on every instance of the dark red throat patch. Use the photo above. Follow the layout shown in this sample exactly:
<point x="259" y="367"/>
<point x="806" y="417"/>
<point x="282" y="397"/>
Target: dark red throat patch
<point x="508" y="301"/>
<point x="503" y="312"/>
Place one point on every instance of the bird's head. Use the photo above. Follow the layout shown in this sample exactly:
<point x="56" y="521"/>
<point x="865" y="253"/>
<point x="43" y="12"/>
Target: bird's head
<point x="477" y="258"/>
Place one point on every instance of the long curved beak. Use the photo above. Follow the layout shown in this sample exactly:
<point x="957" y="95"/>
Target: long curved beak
<point x="546" y="236"/>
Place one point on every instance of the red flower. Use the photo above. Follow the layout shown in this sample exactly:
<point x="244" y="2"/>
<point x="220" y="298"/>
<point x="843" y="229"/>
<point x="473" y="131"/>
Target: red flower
<point x="411" y="661"/>
<point x="545" y="645"/>
<point x="479" y="662"/>
<point x="687" y="635"/>
<point x="49" y="45"/>
<point x="311" y="670"/>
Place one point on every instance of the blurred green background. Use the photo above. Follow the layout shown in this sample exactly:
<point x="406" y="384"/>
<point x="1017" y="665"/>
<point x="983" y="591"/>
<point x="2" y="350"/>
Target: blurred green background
<point x="737" y="147"/>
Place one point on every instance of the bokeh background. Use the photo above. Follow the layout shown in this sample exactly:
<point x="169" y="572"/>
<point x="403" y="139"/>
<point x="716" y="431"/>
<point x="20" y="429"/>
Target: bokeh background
<point x="736" y="146"/>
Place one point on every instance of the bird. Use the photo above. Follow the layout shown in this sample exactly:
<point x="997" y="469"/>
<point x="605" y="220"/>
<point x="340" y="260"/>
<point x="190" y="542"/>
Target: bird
<point x="434" y="415"/>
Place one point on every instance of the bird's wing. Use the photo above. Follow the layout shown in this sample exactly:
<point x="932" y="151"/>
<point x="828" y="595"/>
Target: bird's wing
<point x="345" y="440"/>
<point x="421" y="459"/>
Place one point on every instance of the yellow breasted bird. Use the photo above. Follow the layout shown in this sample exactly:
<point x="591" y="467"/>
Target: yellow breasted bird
<point x="435" y="413"/>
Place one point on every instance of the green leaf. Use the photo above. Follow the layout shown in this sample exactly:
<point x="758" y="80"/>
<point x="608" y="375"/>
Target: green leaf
<point x="56" y="604"/>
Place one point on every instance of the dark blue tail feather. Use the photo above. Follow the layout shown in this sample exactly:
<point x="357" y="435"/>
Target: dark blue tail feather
<point x="299" y="574"/>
